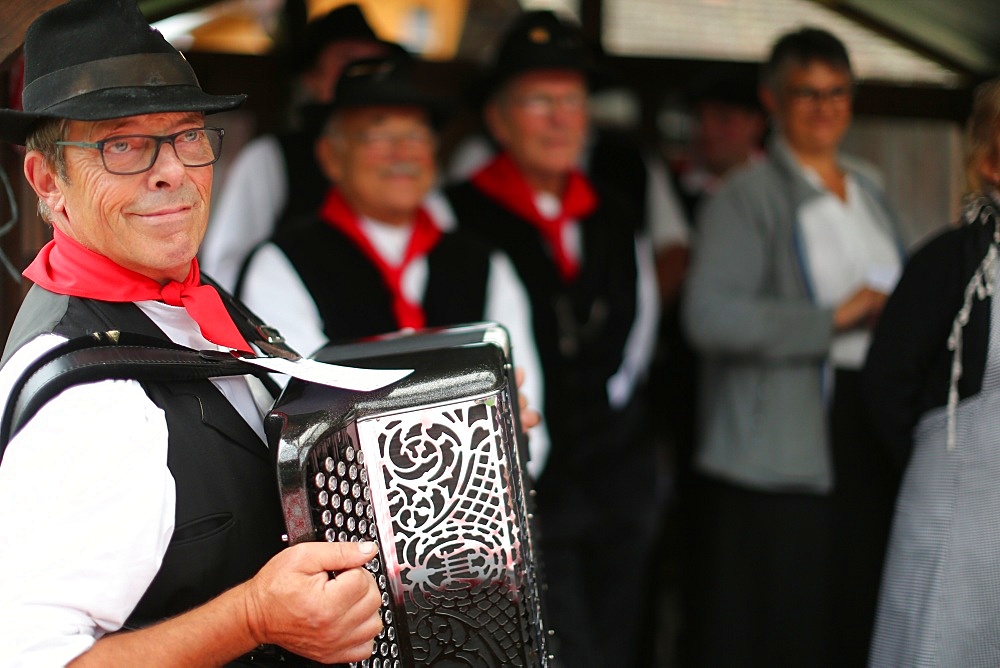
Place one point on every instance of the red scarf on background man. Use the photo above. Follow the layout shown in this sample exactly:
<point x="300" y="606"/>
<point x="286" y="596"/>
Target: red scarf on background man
<point x="66" y="267"/>
<point x="338" y="214"/>
<point x="503" y="181"/>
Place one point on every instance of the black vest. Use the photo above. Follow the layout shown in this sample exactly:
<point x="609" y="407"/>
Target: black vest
<point x="228" y="519"/>
<point x="580" y="328"/>
<point x="353" y="299"/>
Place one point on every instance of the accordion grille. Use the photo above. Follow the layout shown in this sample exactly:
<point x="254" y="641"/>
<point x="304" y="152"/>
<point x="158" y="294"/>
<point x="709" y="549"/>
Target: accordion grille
<point x="438" y="489"/>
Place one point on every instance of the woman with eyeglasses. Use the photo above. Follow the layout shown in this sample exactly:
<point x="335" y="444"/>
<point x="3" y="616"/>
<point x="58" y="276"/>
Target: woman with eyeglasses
<point x="792" y="262"/>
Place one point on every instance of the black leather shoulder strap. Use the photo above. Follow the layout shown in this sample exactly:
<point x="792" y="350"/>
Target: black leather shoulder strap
<point x="105" y="356"/>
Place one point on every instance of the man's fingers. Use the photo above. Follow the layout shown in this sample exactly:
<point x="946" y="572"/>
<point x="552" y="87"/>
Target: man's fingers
<point x="321" y="556"/>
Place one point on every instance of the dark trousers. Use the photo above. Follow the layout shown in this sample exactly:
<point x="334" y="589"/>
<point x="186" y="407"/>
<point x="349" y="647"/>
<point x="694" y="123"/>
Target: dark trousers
<point x="791" y="579"/>
<point x="597" y="530"/>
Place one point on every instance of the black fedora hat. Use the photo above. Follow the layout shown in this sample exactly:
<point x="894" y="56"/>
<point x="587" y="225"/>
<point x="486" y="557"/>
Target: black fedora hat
<point x="541" y="40"/>
<point x="341" y="24"/>
<point x="384" y="82"/>
<point x="93" y="60"/>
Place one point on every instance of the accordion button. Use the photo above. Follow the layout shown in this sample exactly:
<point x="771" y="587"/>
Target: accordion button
<point x="335" y="501"/>
<point x="320" y="479"/>
<point x="328" y="464"/>
<point x="341" y="469"/>
<point x="361" y="458"/>
<point x="339" y="520"/>
<point x="323" y="498"/>
<point x="330" y="536"/>
<point x="327" y="517"/>
<point x="362" y="527"/>
<point x="352" y="472"/>
<point x="348" y="505"/>
<point x="356" y="490"/>
<point x="351" y="525"/>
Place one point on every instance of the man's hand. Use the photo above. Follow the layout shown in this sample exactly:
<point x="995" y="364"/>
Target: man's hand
<point x="529" y="416"/>
<point x="292" y="602"/>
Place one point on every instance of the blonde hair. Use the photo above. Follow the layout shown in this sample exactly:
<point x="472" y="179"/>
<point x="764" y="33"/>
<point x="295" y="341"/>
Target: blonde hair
<point x="982" y="134"/>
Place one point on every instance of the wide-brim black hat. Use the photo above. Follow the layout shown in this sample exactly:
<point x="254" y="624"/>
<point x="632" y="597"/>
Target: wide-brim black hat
<point x="346" y="23"/>
<point x="93" y="60"/>
<point x="541" y="40"/>
<point x="385" y="82"/>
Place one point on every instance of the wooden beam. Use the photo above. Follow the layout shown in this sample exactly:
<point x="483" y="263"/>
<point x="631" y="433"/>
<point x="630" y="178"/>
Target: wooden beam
<point x="17" y="16"/>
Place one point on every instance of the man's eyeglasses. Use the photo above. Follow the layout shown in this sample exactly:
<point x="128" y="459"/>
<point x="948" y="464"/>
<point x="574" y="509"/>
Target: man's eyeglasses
<point x="134" y="154"/>
<point x="383" y="141"/>
<point x="815" y="96"/>
<point x="541" y="104"/>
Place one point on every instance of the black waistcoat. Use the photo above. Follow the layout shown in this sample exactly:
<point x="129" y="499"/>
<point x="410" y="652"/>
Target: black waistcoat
<point x="580" y="328"/>
<point x="228" y="517"/>
<point x="353" y="299"/>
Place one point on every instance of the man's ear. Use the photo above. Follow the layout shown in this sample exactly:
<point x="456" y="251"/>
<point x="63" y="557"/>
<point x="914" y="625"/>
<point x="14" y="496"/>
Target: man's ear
<point x="329" y="158"/>
<point x="44" y="180"/>
<point x="768" y="100"/>
<point x="494" y="121"/>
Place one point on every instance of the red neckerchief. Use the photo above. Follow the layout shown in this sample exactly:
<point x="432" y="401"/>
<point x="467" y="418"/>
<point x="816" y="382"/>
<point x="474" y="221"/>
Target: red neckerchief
<point x="66" y="267"/>
<point x="338" y="214"/>
<point x="503" y="181"/>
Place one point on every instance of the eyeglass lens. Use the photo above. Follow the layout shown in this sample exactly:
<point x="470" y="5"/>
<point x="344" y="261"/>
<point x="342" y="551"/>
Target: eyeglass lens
<point x="131" y="154"/>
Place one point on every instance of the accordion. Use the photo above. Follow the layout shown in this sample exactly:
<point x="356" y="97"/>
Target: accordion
<point x="431" y="469"/>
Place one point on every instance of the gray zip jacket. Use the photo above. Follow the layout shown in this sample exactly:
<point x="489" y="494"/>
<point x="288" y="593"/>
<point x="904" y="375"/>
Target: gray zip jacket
<point x="762" y="339"/>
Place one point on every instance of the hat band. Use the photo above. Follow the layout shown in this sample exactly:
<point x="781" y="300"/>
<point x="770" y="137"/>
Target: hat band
<point x="135" y="70"/>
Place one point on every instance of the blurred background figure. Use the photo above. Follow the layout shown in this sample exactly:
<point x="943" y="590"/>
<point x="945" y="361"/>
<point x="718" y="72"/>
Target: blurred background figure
<point x="932" y="382"/>
<point x="728" y="130"/>
<point x="374" y="257"/>
<point x="793" y="259"/>
<point x="577" y="243"/>
<point x="276" y="177"/>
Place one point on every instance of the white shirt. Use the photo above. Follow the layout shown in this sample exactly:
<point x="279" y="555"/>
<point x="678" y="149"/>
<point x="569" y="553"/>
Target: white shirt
<point x="847" y="246"/>
<point x="273" y="289"/>
<point x="246" y="211"/>
<point x="87" y="504"/>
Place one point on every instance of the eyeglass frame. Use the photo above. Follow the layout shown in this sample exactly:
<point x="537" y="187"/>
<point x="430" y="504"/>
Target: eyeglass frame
<point x="816" y="96"/>
<point x="160" y="141"/>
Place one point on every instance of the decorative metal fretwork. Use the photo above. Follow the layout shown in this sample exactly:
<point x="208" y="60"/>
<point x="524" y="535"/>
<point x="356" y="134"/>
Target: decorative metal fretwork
<point x="431" y="469"/>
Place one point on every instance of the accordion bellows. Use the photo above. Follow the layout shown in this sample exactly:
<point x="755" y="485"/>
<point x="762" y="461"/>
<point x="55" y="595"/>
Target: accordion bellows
<point x="430" y="468"/>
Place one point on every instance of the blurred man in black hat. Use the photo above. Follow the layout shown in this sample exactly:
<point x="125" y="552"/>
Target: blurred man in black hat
<point x="575" y="241"/>
<point x="376" y="256"/>
<point x="147" y="506"/>
<point x="277" y="177"/>
<point x="729" y="127"/>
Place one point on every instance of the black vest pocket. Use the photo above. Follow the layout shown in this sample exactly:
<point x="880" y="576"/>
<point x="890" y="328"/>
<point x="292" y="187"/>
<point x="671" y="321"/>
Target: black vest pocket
<point x="196" y="567"/>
